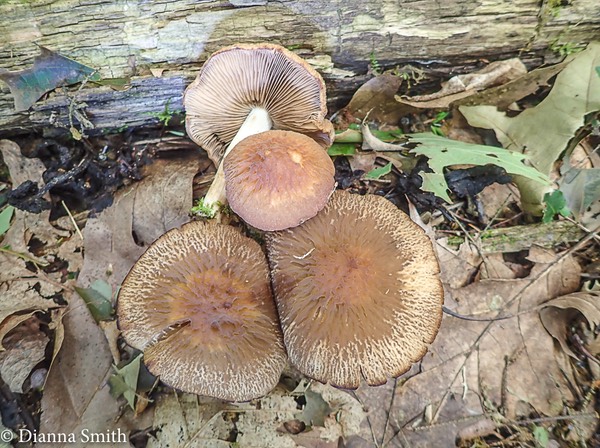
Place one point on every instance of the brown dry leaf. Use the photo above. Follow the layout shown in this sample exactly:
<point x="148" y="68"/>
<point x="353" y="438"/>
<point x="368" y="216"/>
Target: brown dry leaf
<point x="24" y="348"/>
<point x="494" y="267"/>
<point x="26" y="291"/>
<point x="77" y="395"/>
<point x="558" y="313"/>
<point x="462" y="86"/>
<point x="376" y="98"/>
<point x="497" y="199"/>
<point x="504" y="95"/>
<point x="458" y="266"/>
<point x="147" y="209"/>
<point x="478" y="369"/>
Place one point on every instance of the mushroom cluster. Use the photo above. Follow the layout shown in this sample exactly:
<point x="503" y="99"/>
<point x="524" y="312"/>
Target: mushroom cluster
<point x="350" y="291"/>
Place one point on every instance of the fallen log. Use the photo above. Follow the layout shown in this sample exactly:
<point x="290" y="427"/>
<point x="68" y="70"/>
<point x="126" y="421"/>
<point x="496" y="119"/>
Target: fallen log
<point x="159" y="46"/>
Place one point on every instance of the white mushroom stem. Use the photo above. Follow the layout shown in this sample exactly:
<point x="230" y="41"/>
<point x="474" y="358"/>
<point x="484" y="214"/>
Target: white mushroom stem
<point x="257" y="121"/>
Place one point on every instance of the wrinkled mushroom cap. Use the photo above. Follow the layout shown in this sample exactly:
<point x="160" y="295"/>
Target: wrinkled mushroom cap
<point x="357" y="291"/>
<point x="278" y="179"/>
<point x="240" y="77"/>
<point x="198" y="304"/>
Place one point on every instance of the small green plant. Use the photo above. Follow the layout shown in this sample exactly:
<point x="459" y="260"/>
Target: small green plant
<point x="438" y="121"/>
<point x="374" y="64"/>
<point x="204" y="211"/>
<point x="164" y="116"/>
<point x="556" y="204"/>
<point x="566" y="48"/>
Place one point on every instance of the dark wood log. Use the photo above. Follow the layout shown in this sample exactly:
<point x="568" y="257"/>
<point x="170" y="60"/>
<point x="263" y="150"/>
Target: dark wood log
<point x="128" y="39"/>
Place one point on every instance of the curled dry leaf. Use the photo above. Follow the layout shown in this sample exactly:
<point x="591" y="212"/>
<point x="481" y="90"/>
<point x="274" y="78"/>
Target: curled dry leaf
<point x="463" y="86"/>
<point x="556" y="315"/>
<point x="376" y="99"/>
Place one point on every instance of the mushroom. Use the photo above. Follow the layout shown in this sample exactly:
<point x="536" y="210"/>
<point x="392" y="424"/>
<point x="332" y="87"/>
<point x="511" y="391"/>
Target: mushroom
<point x="246" y="89"/>
<point x="278" y="179"/>
<point x="198" y="303"/>
<point x="357" y="291"/>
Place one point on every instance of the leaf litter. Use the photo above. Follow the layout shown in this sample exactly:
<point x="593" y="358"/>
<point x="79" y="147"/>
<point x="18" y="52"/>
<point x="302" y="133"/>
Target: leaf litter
<point x="478" y="378"/>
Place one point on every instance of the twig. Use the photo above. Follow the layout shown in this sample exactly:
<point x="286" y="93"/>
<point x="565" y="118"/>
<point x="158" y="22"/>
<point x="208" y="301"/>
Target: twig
<point x="477" y="319"/>
<point x="77" y="229"/>
<point x="23" y="256"/>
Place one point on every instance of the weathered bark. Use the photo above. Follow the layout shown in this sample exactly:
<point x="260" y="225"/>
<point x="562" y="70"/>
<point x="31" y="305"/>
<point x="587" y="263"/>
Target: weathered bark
<point x="128" y="38"/>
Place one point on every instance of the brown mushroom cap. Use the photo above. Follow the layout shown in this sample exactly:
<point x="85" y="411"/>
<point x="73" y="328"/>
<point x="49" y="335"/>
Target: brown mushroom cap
<point x="278" y="179"/>
<point x="240" y="77"/>
<point x="357" y="291"/>
<point x="198" y="304"/>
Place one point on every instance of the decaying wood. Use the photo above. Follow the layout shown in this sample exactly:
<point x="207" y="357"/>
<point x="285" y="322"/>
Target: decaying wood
<point x="517" y="238"/>
<point x="129" y="39"/>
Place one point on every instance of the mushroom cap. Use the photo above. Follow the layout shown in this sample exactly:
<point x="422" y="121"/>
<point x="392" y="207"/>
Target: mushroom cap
<point x="198" y="303"/>
<point x="240" y="77"/>
<point x="278" y="179"/>
<point x="357" y="291"/>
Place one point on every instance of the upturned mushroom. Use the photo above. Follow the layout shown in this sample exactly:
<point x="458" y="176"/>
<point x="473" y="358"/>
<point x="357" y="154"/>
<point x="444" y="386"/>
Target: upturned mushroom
<point x="278" y="179"/>
<point x="199" y="305"/>
<point x="357" y="291"/>
<point x="246" y="89"/>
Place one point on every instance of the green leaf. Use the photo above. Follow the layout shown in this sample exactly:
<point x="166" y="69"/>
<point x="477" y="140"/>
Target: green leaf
<point x="544" y="132"/>
<point x="50" y="70"/>
<point x="342" y="149"/>
<point x="5" y="217"/>
<point x="378" y="172"/>
<point x="125" y="380"/>
<point x="315" y="410"/>
<point x="598" y="70"/>
<point x="541" y="436"/>
<point x="443" y="152"/>
<point x="556" y="204"/>
<point x="98" y="299"/>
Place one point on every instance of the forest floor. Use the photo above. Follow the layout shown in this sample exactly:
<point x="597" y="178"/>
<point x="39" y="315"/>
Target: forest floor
<point x="515" y="363"/>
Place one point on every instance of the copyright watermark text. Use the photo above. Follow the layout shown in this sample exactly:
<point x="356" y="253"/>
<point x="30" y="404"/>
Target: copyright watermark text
<point x="84" y="436"/>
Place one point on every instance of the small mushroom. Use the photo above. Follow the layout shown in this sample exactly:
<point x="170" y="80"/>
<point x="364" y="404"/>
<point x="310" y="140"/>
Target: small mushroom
<point x="278" y="179"/>
<point x="198" y="304"/>
<point x="357" y="291"/>
<point x="246" y="89"/>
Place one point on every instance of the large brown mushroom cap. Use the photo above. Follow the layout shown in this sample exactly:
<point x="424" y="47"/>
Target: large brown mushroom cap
<point x="357" y="291"/>
<point x="278" y="179"/>
<point x="240" y="77"/>
<point x="198" y="304"/>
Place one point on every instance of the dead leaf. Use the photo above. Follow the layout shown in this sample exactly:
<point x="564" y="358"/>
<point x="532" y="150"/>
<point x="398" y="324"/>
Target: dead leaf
<point x="50" y="70"/>
<point x="462" y="86"/>
<point x="503" y="96"/>
<point x="543" y="132"/>
<point x="458" y="266"/>
<point x="24" y="290"/>
<point x="315" y="410"/>
<point x="25" y="347"/>
<point x="476" y="369"/>
<point x="557" y="314"/>
<point x="76" y="395"/>
<point x="147" y="209"/>
<point x="376" y="98"/>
